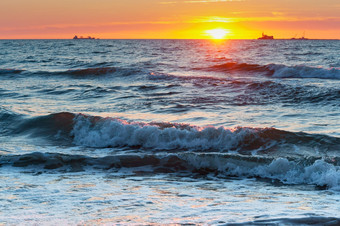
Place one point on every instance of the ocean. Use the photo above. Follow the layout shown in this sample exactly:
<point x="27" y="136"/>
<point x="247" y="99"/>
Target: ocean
<point x="230" y="132"/>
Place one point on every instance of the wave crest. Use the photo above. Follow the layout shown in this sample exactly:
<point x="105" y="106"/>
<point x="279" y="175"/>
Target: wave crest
<point x="108" y="132"/>
<point x="282" y="71"/>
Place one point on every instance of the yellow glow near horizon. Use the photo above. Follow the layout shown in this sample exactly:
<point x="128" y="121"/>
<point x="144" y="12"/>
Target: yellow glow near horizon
<point x="169" y="19"/>
<point x="217" y="33"/>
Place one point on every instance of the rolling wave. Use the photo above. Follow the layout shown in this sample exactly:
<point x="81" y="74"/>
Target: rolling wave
<point x="277" y="70"/>
<point x="324" y="173"/>
<point x="49" y="126"/>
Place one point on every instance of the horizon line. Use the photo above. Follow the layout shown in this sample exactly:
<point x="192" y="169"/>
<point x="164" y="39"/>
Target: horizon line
<point x="170" y="39"/>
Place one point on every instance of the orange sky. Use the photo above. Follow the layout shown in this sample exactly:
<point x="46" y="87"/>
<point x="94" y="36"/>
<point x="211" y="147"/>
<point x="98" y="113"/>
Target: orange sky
<point x="168" y="18"/>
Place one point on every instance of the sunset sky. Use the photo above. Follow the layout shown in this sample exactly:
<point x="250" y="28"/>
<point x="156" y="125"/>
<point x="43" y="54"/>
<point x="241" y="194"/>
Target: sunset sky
<point x="136" y="19"/>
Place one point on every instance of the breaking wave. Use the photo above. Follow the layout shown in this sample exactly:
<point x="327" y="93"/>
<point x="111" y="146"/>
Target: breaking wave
<point x="99" y="132"/>
<point x="164" y="136"/>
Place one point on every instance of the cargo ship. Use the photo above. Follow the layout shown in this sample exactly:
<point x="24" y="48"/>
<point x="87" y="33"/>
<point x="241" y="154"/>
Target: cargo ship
<point x="81" y="37"/>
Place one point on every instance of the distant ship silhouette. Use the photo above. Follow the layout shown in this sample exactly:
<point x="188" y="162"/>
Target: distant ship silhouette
<point x="301" y="38"/>
<point x="266" y="37"/>
<point x="81" y="37"/>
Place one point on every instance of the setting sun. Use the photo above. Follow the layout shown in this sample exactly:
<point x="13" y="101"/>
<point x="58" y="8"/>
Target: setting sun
<point x="217" y="33"/>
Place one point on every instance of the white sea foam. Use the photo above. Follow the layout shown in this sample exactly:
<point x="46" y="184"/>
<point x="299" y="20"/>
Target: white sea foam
<point x="319" y="173"/>
<point x="108" y="132"/>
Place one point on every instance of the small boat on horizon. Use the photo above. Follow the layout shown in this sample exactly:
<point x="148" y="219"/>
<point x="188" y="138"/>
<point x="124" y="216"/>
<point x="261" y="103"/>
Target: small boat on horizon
<point x="266" y="37"/>
<point x="301" y="38"/>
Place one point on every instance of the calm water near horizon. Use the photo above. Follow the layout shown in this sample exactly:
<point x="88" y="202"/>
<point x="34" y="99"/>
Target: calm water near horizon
<point x="169" y="131"/>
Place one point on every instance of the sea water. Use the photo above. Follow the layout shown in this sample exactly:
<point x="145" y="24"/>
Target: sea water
<point x="169" y="131"/>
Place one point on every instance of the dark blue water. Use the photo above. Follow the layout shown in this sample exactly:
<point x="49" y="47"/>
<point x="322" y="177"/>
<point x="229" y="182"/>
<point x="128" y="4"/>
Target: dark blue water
<point x="254" y="121"/>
